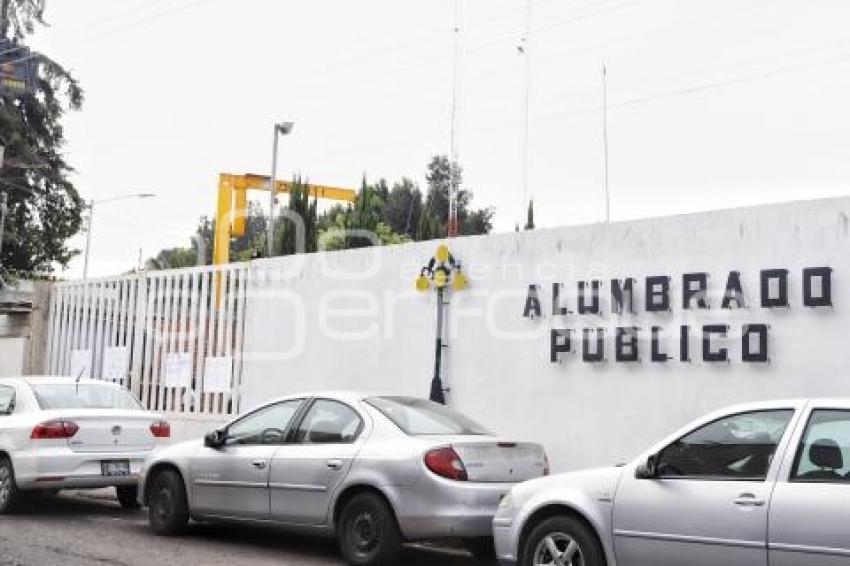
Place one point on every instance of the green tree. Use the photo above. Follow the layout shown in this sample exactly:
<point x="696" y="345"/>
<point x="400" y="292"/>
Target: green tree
<point x="442" y="175"/>
<point x="173" y="258"/>
<point x="529" y="222"/>
<point x="290" y="238"/>
<point x="403" y="207"/>
<point x="44" y="207"/>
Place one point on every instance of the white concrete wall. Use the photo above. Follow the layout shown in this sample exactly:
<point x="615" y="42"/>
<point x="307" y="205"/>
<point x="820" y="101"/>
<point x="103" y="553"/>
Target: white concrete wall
<point x="311" y="326"/>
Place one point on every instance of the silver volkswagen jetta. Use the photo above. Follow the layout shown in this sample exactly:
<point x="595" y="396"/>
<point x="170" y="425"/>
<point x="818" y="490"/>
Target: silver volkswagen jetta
<point x="372" y="470"/>
<point x="764" y="483"/>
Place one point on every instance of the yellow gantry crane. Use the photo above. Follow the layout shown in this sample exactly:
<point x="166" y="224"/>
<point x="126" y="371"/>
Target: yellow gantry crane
<point x="233" y="204"/>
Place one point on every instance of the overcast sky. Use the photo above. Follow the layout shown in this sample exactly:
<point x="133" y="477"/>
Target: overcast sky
<point x="713" y="103"/>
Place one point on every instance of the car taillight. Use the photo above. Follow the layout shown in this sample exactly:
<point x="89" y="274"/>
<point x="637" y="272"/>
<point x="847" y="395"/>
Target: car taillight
<point x="52" y="430"/>
<point x="161" y="429"/>
<point x="546" y="468"/>
<point x="446" y="463"/>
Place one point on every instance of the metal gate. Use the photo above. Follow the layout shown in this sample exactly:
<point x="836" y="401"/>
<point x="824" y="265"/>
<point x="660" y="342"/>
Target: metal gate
<point x="174" y="338"/>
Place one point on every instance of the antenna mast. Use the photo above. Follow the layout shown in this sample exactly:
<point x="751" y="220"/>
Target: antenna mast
<point x="525" y="51"/>
<point x="451" y="228"/>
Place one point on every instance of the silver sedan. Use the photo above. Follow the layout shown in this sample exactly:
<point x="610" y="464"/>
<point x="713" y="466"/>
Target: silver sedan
<point x="373" y="470"/>
<point x="756" y="484"/>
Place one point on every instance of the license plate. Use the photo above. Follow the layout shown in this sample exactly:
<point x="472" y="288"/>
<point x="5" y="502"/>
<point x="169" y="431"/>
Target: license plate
<point x="115" y="467"/>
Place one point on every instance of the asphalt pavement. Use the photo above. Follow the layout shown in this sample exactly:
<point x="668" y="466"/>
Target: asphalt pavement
<point x="77" y="529"/>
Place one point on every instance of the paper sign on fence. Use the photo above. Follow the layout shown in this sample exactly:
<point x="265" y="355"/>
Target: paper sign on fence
<point x="218" y="374"/>
<point x="178" y="370"/>
<point x="81" y="363"/>
<point x="116" y="363"/>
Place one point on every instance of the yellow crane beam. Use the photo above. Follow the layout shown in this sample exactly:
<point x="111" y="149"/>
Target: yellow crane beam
<point x="233" y="204"/>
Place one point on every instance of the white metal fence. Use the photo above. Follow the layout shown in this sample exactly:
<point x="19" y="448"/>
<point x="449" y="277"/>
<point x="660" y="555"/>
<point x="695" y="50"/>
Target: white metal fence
<point x="174" y="338"/>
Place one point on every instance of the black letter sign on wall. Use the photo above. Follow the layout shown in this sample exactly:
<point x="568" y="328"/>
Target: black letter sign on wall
<point x="623" y="296"/>
<point x="709" y="355"/>
<point x="780" y="298"/>
<point x="694" y="285"/>
<point x="560" y="343"/>
<point x="583" y="306"/>
<point x="657" y="354"/>
<point x="532" y="303"/>
<point x="626" y="345"/>
<point x="684" y="343"/>
<point x="758" y="333"/>
<point x="657" y="293"/>
<point x="599" y="354"/>
<point x="823" y="277"/>
<point x="734" y="292"/>
<point x="557" y="309"/>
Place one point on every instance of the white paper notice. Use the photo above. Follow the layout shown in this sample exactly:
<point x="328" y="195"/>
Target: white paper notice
<point x="178" y="370"/>
<point x="116" y="363"/>
<point x="218" y="374"/>
<point x="81" y="363"/>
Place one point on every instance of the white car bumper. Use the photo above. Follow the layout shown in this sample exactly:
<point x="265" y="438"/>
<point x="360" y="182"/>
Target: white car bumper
<point x="62" y="468"/>
<point x="506" y="535"/>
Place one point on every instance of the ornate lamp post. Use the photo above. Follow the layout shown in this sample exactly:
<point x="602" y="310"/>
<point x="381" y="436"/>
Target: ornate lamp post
<point x="441" y="272"/>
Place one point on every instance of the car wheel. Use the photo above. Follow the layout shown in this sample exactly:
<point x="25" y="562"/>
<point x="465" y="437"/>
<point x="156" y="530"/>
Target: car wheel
<point x="481" y="548"/>
<point x="128" y="496"/>
<point x="10" y="495"/>
<point x="168" y="507"/>
<point x="368" y="534"/>
<point x="564" y="541"/>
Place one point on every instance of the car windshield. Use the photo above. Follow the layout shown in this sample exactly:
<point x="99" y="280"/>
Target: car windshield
<point x="419" y="417"/>
<point x="83" y="396"/>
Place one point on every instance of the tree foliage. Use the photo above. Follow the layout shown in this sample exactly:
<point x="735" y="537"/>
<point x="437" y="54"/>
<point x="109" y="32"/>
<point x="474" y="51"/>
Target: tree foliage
<point x="529" y="221"/>
<point x="380" y="215"/>
<point x="44" y="207"/>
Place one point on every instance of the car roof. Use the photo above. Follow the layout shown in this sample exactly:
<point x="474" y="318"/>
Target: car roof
<point x="52" y="380"/>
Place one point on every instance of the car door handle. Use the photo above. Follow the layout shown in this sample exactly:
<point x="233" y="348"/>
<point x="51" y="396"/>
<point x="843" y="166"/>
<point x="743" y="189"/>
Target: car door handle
<point x="260" y="464"/>
<point x="334" y="464"/>
<point x="748" y="500"/>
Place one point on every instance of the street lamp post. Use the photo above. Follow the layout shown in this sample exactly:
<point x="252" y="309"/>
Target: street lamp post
<point x="282" y="128"/>
<point x="4" y="206"/>
<point x="92" y="203"/>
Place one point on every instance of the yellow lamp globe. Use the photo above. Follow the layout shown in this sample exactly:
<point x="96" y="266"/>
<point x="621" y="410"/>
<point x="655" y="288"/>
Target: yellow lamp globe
<point x="460" y="282"/>
<point x="441" y="278"/>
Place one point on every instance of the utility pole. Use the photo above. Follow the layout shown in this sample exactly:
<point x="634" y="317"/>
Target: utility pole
<point x="4" y="18"/>
<point x="453" y="184"/>
<point x="605" y="143"/>
<point x="4" y="202"/>
<point x="525" y="50"/>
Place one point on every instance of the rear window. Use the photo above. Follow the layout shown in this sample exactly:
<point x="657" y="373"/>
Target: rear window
<point x="83" y="396"/>
<point x="419" y="417"/>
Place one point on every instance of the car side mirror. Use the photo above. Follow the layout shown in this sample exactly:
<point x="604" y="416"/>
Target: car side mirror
<point x="649" y="469"/>
<point x="215" y="439"/>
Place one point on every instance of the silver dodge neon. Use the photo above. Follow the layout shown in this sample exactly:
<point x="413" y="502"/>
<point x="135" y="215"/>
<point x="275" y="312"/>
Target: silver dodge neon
<point x="374" y="471"/>
<point x="756" y="484"/>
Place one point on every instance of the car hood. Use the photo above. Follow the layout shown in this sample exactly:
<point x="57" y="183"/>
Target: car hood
<point x="598" y="483"/>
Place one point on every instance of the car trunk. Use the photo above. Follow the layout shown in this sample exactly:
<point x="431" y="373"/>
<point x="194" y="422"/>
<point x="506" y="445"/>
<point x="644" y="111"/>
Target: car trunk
<point x="110" y="430"/>
<point x="487" y="459"/>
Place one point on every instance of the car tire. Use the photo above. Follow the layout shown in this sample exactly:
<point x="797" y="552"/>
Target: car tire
<point x="562" y="531"/>
<point x="483" y="548"/>
<point x="168" y="506"/>
<point x="128" y="496"/>
<point x="368" y="534"/>
<point x="10" y="495"/>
